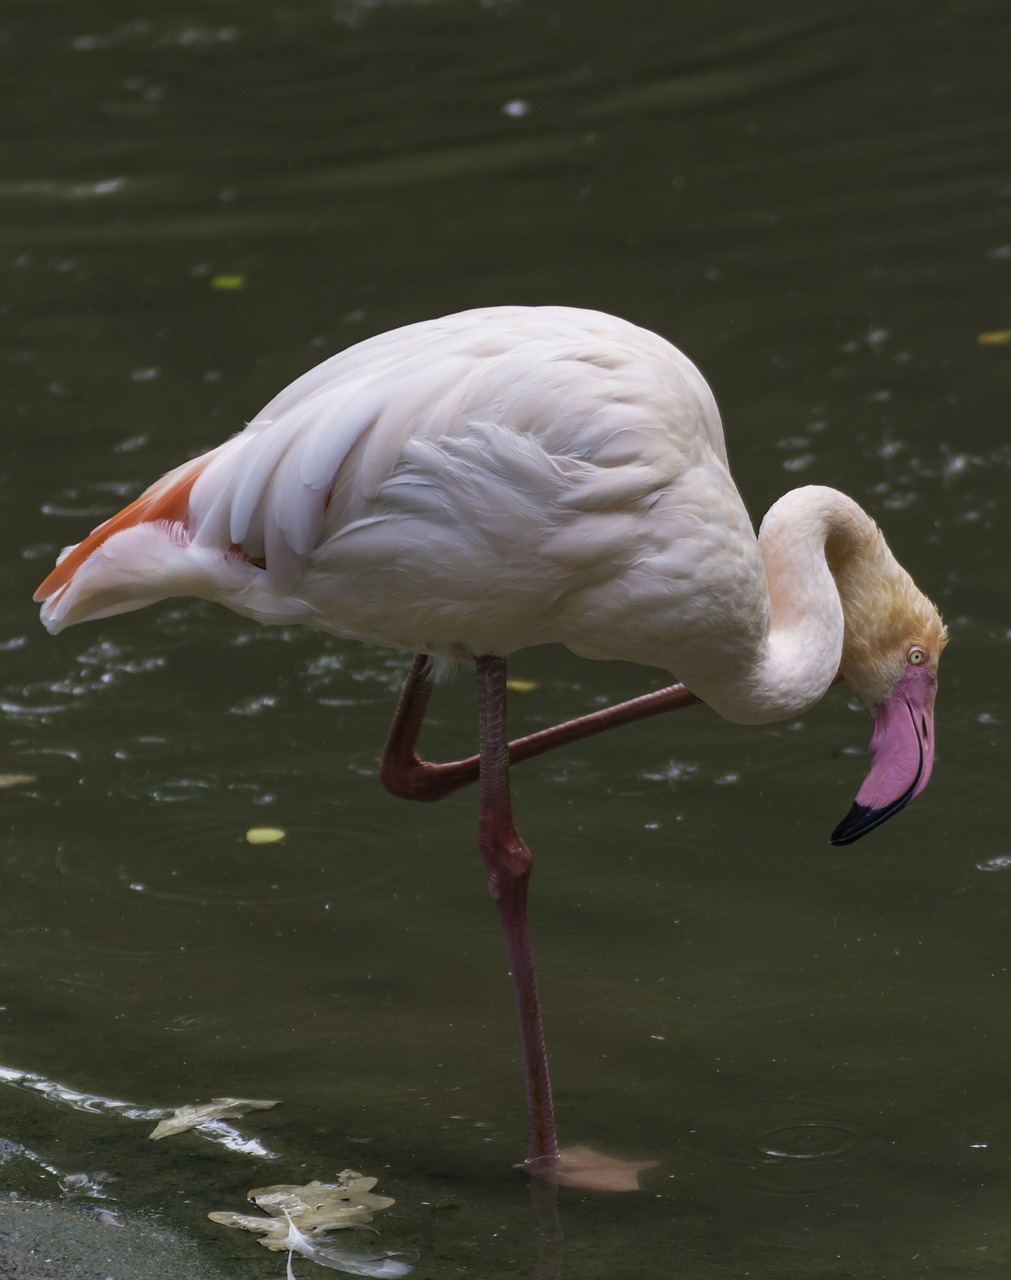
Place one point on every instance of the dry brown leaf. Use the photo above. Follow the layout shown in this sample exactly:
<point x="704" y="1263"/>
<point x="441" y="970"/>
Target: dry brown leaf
<point x="192" y="1115"/>
<point x="590" y="1170"/>
<point x="301" y="1216"/>
<point x="275" y="1230"/>
<point x="325" y="1205"/>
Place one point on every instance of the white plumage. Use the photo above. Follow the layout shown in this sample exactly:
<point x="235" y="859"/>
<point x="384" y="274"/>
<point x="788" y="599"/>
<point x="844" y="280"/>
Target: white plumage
<point x="476" y="484"/>
<point x="515" y="476"/>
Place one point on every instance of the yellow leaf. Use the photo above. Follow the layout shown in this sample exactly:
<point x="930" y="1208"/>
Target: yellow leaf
<point x="521" y="686"/>
<point x="995" y="338"/>
<point x="228" y="282"/>
<point x="265" y="835"/>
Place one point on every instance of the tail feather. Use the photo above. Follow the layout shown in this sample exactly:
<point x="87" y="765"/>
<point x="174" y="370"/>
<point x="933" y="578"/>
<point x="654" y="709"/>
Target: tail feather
<point x="167" y="500"/>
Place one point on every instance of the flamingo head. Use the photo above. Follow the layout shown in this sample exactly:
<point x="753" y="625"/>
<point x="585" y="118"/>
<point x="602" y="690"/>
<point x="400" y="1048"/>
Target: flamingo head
<point x="890" y="658"/>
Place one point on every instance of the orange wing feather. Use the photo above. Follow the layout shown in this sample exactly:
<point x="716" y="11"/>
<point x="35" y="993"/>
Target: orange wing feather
<point x="167" y="500"/>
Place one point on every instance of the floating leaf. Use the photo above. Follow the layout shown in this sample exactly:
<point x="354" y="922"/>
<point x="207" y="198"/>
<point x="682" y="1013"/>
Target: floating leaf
<point x="227" y="283"/>
<point x="994" y="338"/>
<point x="327" y="1205"/>
<point x="265" y="835"/>
<point x="275" y="1230"/>
<point x="191" y="1116"/>
<point x="590" y="1170"/>
<point x="300" y="1217"/>
<point x="521" y="686"/>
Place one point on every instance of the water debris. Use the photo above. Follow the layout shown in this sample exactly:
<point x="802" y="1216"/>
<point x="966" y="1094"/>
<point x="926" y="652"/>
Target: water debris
<point x="348" y="1202"/>
<point x="994" y="338"/>
<point x="591" y="1170"/>
<point x="228" y="283"/>
<point x="17" y="780"/>
<point x="299" y="1218"/>
<point x="265" y="835"/>
<point x="521" y="686"/>
<point x="214" y="1130"/>
<point x="192" y="1116"/>
<point x="86" y="1184"/>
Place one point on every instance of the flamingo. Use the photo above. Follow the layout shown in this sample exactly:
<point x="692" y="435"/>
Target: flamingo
<point x="468" y="486"/>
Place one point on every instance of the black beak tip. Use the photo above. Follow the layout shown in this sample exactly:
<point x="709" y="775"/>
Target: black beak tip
<point x="860" y="819"/>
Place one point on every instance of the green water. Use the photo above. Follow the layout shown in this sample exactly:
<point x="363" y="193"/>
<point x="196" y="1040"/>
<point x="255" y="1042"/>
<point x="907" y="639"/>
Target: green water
<point x="813" y="202"/>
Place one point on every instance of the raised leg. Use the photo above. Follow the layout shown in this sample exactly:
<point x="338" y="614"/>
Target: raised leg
<point x="401" y="771"/>
<point x="405" y="775"/>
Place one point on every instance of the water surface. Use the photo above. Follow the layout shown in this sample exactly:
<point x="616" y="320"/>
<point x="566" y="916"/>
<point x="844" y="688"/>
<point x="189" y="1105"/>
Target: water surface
<point x="200" y="202"/>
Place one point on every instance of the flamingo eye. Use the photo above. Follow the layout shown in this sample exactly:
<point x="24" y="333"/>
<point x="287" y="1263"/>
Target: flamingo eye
<point x="916" y="656"/>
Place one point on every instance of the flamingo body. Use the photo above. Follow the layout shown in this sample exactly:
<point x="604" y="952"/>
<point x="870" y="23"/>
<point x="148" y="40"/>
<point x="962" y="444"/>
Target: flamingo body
<point x="469" y="486"/>
<point x="478" y="484"/>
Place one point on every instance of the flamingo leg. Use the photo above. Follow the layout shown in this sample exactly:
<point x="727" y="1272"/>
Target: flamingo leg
<point x="508" y="863"/>
<point x="401" y="771"/>
<point x="407" y="776"/>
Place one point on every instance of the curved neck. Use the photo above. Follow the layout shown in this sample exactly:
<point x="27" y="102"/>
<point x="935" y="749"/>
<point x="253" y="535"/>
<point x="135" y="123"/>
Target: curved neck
<point x="804" y="540"/>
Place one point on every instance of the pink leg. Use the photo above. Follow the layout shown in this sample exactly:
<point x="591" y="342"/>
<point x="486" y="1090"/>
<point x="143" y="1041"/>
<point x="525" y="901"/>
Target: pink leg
<point x="401" y="772"/>
<point x="508" y="861"/>
<point x="405" y="775"/>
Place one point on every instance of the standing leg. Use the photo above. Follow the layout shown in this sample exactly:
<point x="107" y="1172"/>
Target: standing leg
<point x="508" y="862"/>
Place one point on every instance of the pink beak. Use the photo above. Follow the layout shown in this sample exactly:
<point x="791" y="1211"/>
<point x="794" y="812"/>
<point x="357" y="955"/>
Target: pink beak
<point x="902" y="755"/>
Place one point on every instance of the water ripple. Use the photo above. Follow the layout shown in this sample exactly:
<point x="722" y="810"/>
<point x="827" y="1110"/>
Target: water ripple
<point x="791" y="1146"/>
<point x="155" y="899"/>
